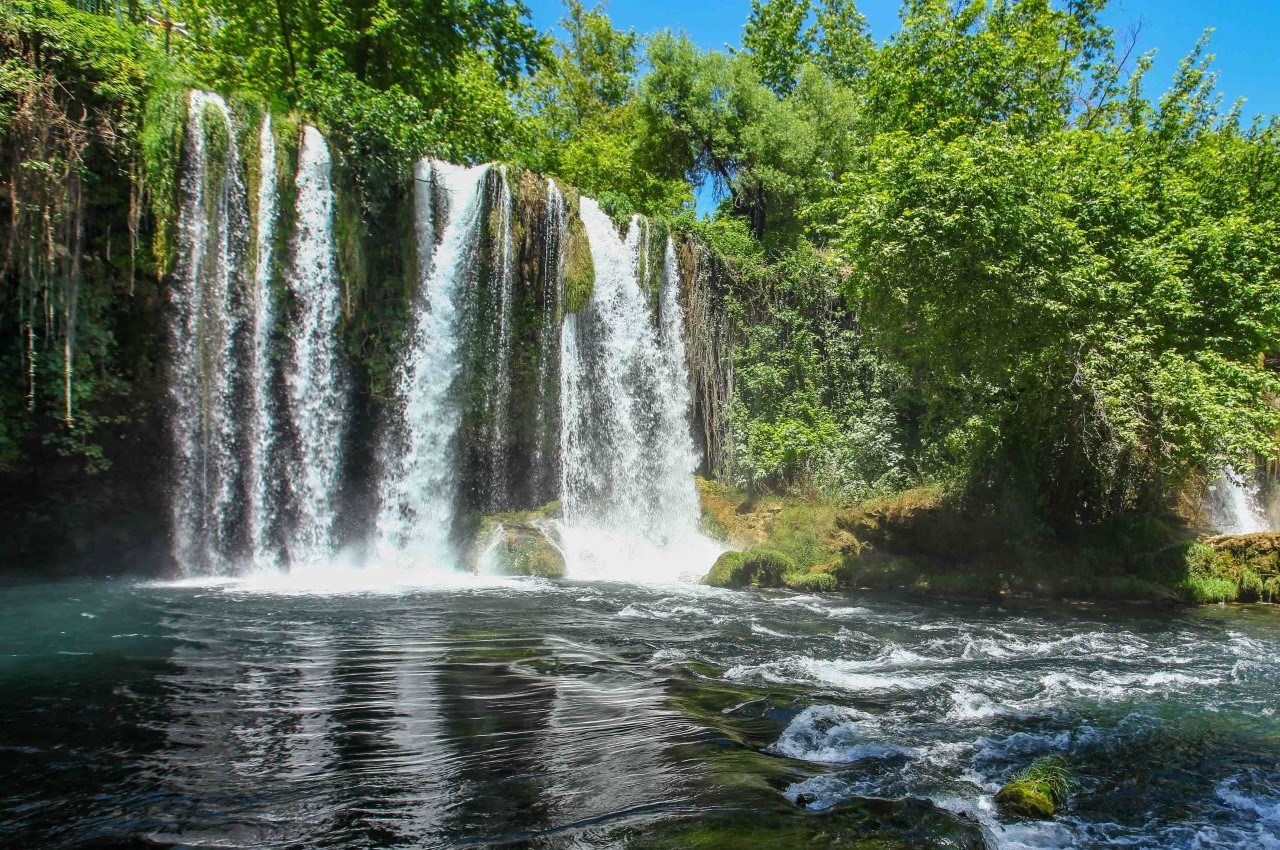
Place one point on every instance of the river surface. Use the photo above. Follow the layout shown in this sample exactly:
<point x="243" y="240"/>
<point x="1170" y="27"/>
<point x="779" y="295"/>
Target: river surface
<point x="534" y="714"/>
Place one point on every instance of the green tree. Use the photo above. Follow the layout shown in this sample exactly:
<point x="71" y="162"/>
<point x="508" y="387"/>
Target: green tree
<point x="391" y="80"/>
<point x="844" y="46"/>
<point x="770" y="155"/>
<point x="583" y="122"/>
<point x="955" y="67"/>
<point x="1078" y="339"/>
<point x="778" y="40"/>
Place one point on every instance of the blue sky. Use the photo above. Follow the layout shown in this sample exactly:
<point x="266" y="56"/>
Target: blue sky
<point x="1246" y="38"/>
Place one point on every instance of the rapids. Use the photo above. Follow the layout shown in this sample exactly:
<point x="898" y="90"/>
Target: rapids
<point x="513" y="712"/>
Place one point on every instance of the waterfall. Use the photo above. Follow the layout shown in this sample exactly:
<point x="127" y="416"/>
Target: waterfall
<point x="418" y="491"/>
<point x="313" y="374"/>
<point x="205" y="336"/>
<point x="630" y="505"/>
<point x="258" y="465"/>
<point x="679" y="458"/>
<point x="545" y="467"/>
<point x="1234" y="505"/>
<point x="501" y="401"/>
<point x="236" y="481"/>
<point x="497" y="401"/>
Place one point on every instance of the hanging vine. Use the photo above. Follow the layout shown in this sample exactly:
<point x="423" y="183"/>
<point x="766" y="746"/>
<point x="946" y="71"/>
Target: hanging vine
<point x="51" y="133"/>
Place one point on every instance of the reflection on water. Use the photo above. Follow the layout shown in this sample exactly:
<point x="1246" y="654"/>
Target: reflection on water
<point x="595" y="715"/>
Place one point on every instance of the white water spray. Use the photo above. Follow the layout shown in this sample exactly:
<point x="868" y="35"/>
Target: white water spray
<point x="258" y="469"/>
<point x="498" y="400"/>
<point x="1234" y="504"/>
<point x="206" y="318"/>
<point x="546" y="451"/>
<point x="313" y="371"/>
<point x="418" y="491"/>
<point x="630" y="505"/>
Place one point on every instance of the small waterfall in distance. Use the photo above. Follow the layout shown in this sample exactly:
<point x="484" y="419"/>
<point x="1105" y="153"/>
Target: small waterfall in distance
<point x="206" y="319"/>
<point x="629" y="501"/>
<point x="1234" y="504"/>
<point x="418" y="488"/>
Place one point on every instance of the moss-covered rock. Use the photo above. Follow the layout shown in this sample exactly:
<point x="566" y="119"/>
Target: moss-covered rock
<point x="813" y="581"/>
<point x="803" y="532"/>
<point x="728" y="515"/>
<point x="1024" y="799"/>
<point x="756" y="568"/>
<point x="518" y="544"/>
<point x="579" y="268"/>
<point x="161" y="143"/>
<point x="1227" y="568"/>
<point x="1036" y="792"/>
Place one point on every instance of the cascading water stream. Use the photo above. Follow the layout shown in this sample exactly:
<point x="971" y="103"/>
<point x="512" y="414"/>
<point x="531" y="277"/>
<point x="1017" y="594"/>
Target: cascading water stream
<point x="258" y="466"/>
<point x="1234" y="504"/>
<point x="546" y="448"/>
<point x="679" y="458"/>
<point x="418" y="491"/>
<point x="260" y="425"/>
<point x="206" y="322"/>
<point x="313" y="377"/>
<point x="630" y="505"/>
<point x="497" y="401"/>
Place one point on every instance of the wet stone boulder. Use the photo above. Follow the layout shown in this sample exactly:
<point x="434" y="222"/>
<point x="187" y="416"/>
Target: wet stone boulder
<point x="756" y="568"/>
<point x="769" y="568"/>
<point x="1037" y="792"/>
<point x="517" y="547"/>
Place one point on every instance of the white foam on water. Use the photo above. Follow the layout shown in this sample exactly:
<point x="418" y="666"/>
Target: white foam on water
<point x="1251" y="795"/>
<point x="970" y="706"/>
<point x="608" y="554"/>
<point x="350" y="575"/>
<point x="838" y="674"/>
<point x="833" y="734"/>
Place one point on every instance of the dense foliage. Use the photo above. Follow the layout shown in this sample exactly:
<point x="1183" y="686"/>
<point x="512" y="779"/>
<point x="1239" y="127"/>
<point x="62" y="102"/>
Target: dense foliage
<point x="1061" y="294"/>
<point x="974" y="254"/>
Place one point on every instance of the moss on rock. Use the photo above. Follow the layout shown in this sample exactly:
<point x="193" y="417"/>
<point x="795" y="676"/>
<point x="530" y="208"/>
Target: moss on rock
<point x="1024" y="799"/>
<point x="579" y="268"/>
<point x="1229" y="568"/>
<point x="161" y="142"/>
<point x="1036" y="792"/>
<point x="813" y="581"/>
<point x="519" y="549"/>
<point x="517" y="544"/>
<point x="757" y="568"/>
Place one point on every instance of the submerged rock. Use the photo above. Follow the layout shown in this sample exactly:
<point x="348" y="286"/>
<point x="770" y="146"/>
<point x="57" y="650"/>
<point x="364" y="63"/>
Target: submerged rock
<point x="1036" y="792"/>
<point x="860" y="824"/>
